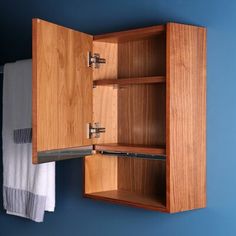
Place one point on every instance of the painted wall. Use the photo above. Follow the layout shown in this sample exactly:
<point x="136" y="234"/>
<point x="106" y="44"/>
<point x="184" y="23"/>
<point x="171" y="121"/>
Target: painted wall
<point x="77" y="216"/>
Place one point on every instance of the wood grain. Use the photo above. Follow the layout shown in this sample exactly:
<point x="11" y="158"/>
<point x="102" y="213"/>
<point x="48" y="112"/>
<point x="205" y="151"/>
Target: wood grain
<point x="62" y="87"/>
<point x="105" y="98"/>
<point x="129" y="35"/>
<point x="142" y="176"/>
<point x="119" y="147"/>
<point x="109" y="52"/>
<point x="141" y="115"/>
<point x="186" y="117"/>
<point x="131" y="199"/>
<point x="130" y="81"/>
<point x="133" y="181"/>
<point x="100" y="173"/>
<point x="142" y="58"/>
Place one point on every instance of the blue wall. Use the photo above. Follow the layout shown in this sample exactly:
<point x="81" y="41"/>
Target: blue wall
<point x="77" y="216"/>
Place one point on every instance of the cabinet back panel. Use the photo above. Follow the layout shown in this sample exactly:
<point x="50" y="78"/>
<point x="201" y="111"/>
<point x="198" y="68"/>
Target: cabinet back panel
<point x="143" y="176"/>
<point x="141" y="58"/>
<point x="141" y="115"/>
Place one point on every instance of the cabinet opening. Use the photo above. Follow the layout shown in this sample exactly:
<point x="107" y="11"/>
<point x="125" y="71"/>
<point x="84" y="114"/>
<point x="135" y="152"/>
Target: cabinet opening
<point x="132" y="58"/>
<point x="134" y="117"/>
<point x="132" y="112"/>
<point x="134" y="181"/>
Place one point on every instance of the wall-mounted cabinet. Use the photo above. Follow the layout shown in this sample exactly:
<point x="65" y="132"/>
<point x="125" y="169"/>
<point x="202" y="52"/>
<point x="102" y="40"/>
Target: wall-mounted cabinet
<point x="132" y="103"/>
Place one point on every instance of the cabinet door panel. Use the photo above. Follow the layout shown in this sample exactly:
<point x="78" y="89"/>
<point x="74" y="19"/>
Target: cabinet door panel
<point x="62" y="88"/>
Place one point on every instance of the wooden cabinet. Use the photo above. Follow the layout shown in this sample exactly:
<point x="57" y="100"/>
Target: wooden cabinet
<point x="139" y="119"/>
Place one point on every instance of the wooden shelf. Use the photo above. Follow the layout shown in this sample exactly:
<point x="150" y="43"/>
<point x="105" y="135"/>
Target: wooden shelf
<point x="130" y="198"/>
<point x="118" y="147"/>
<point x="128" y="81"/>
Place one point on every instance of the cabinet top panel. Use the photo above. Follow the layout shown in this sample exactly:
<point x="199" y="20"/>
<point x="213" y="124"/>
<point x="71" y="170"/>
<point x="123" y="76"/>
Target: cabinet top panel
<point x="128" y="35"/>
<point x="135" y="34"/>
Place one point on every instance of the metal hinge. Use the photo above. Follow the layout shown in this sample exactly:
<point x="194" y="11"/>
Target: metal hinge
<point x="94" y="130"/>
<point x="94" y="60"/>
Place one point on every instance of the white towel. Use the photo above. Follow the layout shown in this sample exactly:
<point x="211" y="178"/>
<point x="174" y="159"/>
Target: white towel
<point x="28" y="190"/>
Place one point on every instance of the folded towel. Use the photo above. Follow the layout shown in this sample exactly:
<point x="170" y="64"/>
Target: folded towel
<point x="28" y="190"/>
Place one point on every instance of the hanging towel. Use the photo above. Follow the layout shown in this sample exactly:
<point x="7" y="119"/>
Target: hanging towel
<point x="28" y="190"/>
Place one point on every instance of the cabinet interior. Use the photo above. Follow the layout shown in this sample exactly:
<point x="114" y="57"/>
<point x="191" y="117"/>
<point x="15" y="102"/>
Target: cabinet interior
<point x="133" y="112"/>
<point x="133" y="181"/>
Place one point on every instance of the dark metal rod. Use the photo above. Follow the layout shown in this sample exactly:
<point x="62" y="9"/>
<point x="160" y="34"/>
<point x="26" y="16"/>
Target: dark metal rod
<point x="1" y="69"/>
<point x="135" y="155"/>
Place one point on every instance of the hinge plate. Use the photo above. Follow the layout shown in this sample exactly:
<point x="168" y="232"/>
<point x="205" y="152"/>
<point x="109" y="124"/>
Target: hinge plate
<point x="94" y="60"/>
<point x="94" y="130"/>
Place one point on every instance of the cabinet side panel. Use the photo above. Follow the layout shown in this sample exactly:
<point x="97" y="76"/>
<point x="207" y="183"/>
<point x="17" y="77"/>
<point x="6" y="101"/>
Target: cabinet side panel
<point x="100" y="173"/>
<point x="105" y="97"/>
<point x="186" y="117"/>
<point x="63" y="84"/>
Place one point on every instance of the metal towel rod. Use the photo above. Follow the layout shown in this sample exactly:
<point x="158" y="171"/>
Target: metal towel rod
<point x="1" y="69"/>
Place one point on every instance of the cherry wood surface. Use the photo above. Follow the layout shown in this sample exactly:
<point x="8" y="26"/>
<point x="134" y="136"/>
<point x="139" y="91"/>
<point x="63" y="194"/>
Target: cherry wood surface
<point x="186" y="117"/>
<point x="142" y="58"/>
<point x="130" y="35"/>
<point x="141" y="115"/>
<point x="130" y="81"/>
<point x="62" y="87"/>
<point x="130" y="198"/>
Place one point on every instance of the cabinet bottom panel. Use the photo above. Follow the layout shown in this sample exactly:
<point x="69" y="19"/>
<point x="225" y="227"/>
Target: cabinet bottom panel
<point x="130" y="198"/>
<point x="131" y="181"/>
<point x="129" y="148"/>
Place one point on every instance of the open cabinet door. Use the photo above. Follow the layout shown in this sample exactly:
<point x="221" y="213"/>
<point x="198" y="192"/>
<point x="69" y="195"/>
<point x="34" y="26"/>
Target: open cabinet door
<point x="62" y="92"/>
